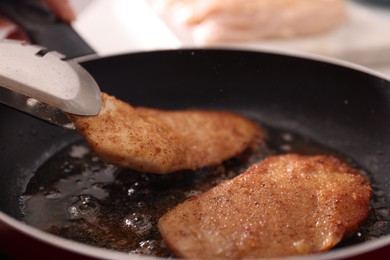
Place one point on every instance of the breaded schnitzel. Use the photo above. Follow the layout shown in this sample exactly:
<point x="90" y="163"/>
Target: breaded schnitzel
<point x="285" y="205"/>
<point x="157" y="141"/>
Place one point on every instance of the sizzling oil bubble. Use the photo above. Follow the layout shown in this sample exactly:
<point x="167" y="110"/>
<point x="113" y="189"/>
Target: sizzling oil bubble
<point x="79" y="197"/>
<point x="85" y="206"/>
<point x="133" y="187"/>
<point x="140" y="224"/>
<point x="147" y="247"/>
<point x="130" y="191"/>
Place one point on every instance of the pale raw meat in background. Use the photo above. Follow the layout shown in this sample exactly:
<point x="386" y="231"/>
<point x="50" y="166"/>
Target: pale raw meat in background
<point x="213" y="21"/>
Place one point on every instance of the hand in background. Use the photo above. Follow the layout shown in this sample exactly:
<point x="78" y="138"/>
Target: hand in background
<point x="60" y="8"/>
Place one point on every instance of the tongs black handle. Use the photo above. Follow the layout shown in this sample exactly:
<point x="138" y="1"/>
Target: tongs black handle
<point x="44" y="28"/>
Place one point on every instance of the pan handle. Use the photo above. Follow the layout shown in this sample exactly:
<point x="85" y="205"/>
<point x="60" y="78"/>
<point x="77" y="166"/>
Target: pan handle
<point x="44" y="28"/>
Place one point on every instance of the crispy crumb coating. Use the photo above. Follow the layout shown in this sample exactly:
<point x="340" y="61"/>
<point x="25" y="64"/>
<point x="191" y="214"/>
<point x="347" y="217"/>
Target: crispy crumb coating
<point x="157" y="141"/>
<point x="285" y="205"/>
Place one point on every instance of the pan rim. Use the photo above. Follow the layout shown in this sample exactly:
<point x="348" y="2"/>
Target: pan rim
<point x="102" y="253"/>
<point x="259" y="50"/>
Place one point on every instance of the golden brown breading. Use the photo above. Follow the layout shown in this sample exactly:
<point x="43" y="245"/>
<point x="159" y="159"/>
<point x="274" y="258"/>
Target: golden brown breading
<point x="156" y="141"/>
<point x="284" y="205"/>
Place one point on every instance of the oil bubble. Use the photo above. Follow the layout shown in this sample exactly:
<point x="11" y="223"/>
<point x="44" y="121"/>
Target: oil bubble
<point x="130" y="191"/>
<point x="83" y="207"/>
<point x="147" y="247"/>
<point x="139" y="223"/>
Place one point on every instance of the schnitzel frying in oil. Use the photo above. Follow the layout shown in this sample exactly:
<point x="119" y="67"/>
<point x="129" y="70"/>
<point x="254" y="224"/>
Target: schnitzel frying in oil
<point x="284" y="205"/>
<point x="158" y="141"/>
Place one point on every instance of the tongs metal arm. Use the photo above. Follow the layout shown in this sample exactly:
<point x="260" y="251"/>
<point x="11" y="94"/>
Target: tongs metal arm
<point x="35" y="108"/>
<point x="40" y="83"/>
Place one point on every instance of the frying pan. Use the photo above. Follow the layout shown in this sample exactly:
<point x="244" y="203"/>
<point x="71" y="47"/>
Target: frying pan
<point x="339" y="105"/>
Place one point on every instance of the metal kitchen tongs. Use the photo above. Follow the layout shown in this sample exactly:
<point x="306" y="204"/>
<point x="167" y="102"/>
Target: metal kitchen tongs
<point x="40" y="82"/>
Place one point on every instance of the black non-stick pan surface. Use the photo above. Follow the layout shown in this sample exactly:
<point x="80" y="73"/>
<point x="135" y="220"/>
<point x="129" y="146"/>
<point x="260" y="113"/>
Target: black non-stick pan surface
<point x="339" y="106"/>
<point x="343" y="108"/>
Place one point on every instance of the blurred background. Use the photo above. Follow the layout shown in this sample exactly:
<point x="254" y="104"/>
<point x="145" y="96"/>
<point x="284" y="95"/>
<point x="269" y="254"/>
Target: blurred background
<point x="121" y="26"/>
